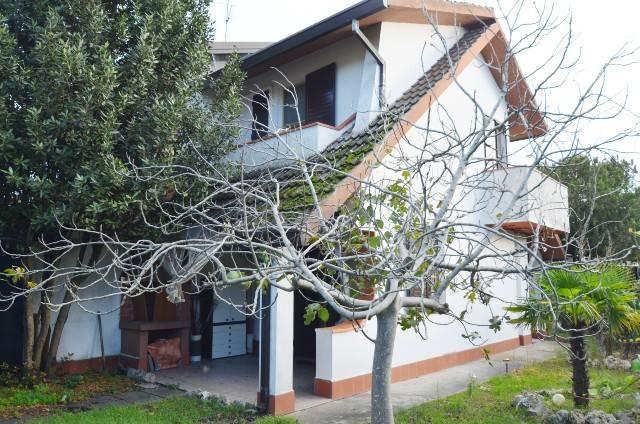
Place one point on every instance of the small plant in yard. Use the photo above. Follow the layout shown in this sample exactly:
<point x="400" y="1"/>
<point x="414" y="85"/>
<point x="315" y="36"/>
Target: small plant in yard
<point x="28" y="394"/>
<point x="576" y="303"/>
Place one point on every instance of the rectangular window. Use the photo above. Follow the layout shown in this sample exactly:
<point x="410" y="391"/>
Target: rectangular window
<point x="320" y="88"/>
<point x="502" y="154"/>
<point x="260" y="112"/>
<point x="490" y="152"/>
<point x="294" y="112"/>
<point x="495" y="147"/>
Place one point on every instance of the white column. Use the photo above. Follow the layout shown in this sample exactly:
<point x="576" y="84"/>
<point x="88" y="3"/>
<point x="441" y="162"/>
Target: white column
<point x="281" y="396"/>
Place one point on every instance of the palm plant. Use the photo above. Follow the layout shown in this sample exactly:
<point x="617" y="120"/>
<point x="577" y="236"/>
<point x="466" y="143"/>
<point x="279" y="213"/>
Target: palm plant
<point x="575" y="303"/>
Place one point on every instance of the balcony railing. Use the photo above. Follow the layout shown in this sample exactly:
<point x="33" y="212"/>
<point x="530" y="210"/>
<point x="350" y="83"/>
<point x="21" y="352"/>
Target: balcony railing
<point x="520" y="199"/>
<point x="294" y="143"/>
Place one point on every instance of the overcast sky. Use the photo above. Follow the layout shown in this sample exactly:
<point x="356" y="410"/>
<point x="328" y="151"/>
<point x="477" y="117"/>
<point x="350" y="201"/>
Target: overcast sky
<point x="600" y="28"/>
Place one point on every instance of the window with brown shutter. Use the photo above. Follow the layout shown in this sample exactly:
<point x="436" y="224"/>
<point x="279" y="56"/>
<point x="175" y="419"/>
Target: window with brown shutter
<point x="321" y="95"/>
<point x="260" y="111"/>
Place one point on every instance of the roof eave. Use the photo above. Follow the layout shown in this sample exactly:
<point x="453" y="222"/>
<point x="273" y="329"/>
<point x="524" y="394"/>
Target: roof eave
<point x="368" y="12"/>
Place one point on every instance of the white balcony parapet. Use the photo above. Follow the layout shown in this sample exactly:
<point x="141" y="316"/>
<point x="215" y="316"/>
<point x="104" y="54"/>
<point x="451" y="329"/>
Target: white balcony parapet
<point x="288" y="145"/>
<point x="522" y="200"/>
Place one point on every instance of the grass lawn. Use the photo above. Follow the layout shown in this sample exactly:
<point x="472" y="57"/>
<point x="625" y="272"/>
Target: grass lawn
<point x="40" y="395"/>
<point x="491" y="401"/>
<point x="179" y="410"/>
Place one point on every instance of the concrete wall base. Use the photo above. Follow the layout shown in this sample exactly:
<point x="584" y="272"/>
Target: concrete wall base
<point x="91" y="364"/>
<point x="351" y="386"/>
<point x="282" y="404"/>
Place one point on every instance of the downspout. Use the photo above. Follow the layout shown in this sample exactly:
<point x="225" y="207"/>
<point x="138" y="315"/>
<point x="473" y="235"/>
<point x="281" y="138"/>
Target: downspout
<point x="355" y="28"/>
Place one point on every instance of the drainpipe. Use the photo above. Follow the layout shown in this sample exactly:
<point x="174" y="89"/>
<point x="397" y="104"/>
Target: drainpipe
<point x="355" y="28"/>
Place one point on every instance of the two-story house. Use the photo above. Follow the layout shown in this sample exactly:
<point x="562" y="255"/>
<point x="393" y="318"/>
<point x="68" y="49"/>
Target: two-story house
<point x="321" y="91"/>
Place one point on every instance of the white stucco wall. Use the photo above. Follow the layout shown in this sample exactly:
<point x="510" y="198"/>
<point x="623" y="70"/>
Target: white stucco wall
<point x="517" y="194"/>
<point x="454" y="111"/>
<point x="410" y="50"/>
<point x="273" y="151"/>
<point x="336" y="357"/>
<point x="281" y="342"/>
<point x="81" y="336"/>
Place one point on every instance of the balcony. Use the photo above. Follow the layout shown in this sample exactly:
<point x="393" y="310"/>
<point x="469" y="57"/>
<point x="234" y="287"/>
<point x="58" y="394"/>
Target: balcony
<point x="521" y="202"/>
<point x="286" y="145"/>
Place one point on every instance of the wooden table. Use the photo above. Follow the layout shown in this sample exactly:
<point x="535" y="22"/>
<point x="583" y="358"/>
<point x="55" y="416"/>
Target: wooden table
<point x="135" y="338"/>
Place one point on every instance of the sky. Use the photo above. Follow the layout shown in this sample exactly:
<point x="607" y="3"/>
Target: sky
<point x="600" y="29"/>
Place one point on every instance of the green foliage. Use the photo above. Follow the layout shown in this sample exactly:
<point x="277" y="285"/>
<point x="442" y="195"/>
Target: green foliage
<point x="313" y="311"/>
<point x="577" y="298"/>
<point x="178" y="410"/>
<point x="16" y="274"/>
<point x="411" y="318"/>
<point x="21" y="392"/>
<point x="494" y="400"/>
<point x="604" y="203"/>
<point x="14" y="377"/>
<point x="89" y="88"/>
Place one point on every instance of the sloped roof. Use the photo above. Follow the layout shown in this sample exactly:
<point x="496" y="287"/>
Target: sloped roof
<point x="336" y="161"/>
<point x="368" y="13"/>
<point x="409" y="98"/>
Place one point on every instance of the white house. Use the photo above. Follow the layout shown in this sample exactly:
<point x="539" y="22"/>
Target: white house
<point x="340" y="73"/>
<point x="377" y="54"/>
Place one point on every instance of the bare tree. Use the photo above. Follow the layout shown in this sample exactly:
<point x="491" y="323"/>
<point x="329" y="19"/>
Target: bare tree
<point x="384" y="223"/>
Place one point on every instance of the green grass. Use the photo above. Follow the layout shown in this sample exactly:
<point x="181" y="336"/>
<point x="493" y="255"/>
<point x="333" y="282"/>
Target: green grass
<point x="179" y="410"/>
<point x="19" y="398"/>
<point x="491" y="401"/>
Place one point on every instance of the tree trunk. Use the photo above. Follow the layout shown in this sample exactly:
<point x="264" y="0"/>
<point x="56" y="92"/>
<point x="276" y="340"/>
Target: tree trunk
<point x="63" y="314"/>
<point x="381" y="407"/>
<point x="27" y="341"/>
<point x="580" y="376"/>
<point x="44" y="321"/>
<point x="56" y="335"/>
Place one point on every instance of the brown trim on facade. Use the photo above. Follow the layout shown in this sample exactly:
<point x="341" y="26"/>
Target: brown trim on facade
<point x="528" y="228"/>
<point x="351" y="183"/>
<point x="351" y="386"/>
<point x="440" y="12"/>
<point x="282" y="404"/>
<point x="527" y="121"/>
<point x="91" y="364"/>
<point x="525" y="339"/>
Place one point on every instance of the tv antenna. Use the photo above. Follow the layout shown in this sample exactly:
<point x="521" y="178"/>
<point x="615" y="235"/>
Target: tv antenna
<point x="226" y="22"/>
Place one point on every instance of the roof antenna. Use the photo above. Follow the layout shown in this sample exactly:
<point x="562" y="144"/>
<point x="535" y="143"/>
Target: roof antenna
<point x="226" y="22"/>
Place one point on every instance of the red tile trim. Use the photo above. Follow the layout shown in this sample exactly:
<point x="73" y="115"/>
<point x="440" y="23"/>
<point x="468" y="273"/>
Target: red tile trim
<point x="84" y="365"/>
<point x="282" y="404"/>
<point x="525" y="339"/>
<point x="351" y="386"/>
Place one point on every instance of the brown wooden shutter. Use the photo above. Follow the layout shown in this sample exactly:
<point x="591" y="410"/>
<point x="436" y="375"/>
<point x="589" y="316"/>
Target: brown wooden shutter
<point x="321" y="95"/>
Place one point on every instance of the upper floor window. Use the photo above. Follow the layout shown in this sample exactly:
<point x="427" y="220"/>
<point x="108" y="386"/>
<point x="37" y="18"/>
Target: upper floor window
<point x="294" y="111"/>
<point x="495" y="147"/>
<point x="316" y="99"/>
<point x="260" y="112"/>
<point x="320" y="88"/>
